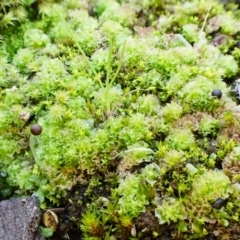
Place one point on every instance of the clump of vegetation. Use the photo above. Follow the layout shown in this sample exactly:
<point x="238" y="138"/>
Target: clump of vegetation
<point x="128" y="100"/>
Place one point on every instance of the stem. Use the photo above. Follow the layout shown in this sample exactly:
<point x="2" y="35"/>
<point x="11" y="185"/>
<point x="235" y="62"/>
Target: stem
<point x="183" y="40"/>
<point x="205" y="20"/>
<point x="107" y="99"/>
<point x="109" y="83"/>
<point x="82" y="51"/>
<point x="120" y="63"/>
<point x="55" y="210"/>
<point x="87" y="60"/>
<point x="110" y="53"/>
<point x="32" y="142"/>
<point x="109" y="70"/>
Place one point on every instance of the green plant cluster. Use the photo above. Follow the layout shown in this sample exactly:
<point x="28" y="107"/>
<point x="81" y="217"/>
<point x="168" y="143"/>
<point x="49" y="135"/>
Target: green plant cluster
<point x="122" y="89"/>
<point x="13" y="11"/>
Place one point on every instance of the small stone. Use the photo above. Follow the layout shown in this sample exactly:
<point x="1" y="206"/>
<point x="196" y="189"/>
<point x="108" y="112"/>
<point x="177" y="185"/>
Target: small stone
<point x="217" y="93"/>
<point x="36" y="129"/>
<point x="14" y="89"/>
<point x="24" y="116"/>
<point x="219" y="203"/>
<point x="19" y="219"/>
<point x="50" y="220"/>
<point x="133" y="231"/>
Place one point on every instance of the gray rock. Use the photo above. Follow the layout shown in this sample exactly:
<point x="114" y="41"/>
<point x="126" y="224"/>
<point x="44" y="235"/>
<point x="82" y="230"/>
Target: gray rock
<point x="19" y="219"/>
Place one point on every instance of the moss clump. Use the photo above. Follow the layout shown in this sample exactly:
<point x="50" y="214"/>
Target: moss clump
<point x="123" y="93"/>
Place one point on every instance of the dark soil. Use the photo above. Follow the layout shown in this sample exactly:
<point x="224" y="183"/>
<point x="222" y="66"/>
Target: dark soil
<point x="145" y="224"/>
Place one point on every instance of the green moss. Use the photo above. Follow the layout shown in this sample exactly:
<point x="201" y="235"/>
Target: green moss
<point x="210" y="186"/>
<point x="172" y="111"/>
<point x="123" y="92"/>
<point x="208" y="126"/>
<point x="171" y="210"/>
<point x="133" y="196"/>
<point x="180" y="139"/>
<point x="196" y="95"/>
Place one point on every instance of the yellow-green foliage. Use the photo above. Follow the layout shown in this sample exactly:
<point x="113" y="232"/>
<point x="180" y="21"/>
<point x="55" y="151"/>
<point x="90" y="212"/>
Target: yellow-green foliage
<point x="123" y="92"/>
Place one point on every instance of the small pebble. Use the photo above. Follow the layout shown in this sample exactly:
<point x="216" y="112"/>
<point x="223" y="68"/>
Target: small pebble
<point x="217" y="93"/>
